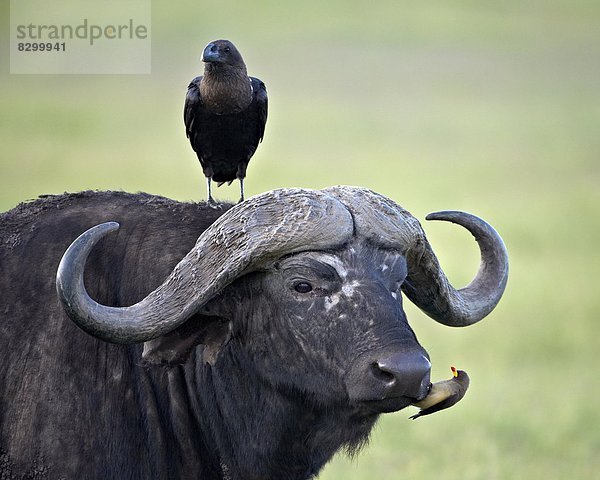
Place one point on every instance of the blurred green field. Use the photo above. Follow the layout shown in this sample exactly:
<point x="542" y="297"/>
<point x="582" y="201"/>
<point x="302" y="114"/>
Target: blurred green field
<point x="487" y="107"/>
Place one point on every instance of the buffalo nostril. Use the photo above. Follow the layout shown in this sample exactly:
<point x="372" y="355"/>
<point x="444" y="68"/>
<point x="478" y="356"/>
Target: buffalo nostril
<point x="404" y="374"/>
<point x="382" y="374"/>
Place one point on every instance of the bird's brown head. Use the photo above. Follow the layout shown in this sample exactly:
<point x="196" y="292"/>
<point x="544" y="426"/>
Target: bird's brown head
<point x="461" y="377"/>
<point x="221" y="53"/>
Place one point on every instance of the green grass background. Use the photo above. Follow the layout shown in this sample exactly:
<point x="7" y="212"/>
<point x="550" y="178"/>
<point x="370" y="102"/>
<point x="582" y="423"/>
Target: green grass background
<point x="492" y="107"/>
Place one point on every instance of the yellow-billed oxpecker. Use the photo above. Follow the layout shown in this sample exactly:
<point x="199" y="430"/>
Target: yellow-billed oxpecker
<point x="444" y="394"/>
<point x="225" y="115"/>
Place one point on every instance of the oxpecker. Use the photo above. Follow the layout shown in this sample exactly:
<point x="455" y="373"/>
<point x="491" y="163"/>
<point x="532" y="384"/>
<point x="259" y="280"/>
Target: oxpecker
<point x="444" y="394"/>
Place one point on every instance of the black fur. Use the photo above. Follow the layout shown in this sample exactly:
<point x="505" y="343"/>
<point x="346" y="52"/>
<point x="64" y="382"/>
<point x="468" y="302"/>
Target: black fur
<point x="273" y="405"/>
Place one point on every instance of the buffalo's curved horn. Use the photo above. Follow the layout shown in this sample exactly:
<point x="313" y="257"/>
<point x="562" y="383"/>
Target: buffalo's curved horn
<point x="428" y="287"/>
<point x="385" y="223"/>
<point x="245" y="238"/>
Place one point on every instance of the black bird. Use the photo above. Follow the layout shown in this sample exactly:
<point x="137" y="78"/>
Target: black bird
<point x="225" y="115"/>
<point x="444" y="394"/>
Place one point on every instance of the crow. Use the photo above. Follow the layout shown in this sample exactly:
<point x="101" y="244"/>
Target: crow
<point x="225" y="115"/>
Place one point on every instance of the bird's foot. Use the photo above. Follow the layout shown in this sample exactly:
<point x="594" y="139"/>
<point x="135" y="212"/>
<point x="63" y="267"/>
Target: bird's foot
<point x="212" y="204"/>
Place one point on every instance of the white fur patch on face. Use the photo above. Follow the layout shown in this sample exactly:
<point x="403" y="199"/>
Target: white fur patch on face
<point x="348" y="288"/>
<point x="331" y="301"/>
<point x="332" y="260"/>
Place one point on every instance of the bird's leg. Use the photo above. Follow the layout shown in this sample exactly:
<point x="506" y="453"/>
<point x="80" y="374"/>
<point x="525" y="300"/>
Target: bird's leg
<point x="211" y="202"/>
<point x="241" y="189"/>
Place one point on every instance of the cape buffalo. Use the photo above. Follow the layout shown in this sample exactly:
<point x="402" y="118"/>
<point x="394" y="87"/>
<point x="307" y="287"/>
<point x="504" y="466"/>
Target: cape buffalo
<point x="246" y="342"/>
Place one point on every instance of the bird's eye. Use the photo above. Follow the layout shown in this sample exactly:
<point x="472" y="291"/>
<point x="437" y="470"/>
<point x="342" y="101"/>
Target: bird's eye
<point x="227" y="49"/>
<point x="303" y="287"/>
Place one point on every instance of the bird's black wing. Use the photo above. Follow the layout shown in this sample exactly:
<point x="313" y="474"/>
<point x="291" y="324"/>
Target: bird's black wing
<point x="446" y="403"/>
<point x="261" y="105"/>
<point x="192" y="102"/>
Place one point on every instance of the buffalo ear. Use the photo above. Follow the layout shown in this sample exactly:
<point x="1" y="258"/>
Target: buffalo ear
<point x="175" y="347"/>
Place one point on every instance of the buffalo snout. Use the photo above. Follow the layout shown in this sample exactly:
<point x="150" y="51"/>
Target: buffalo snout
<point x="403" y="375"/>
<point x="390" y="380"/>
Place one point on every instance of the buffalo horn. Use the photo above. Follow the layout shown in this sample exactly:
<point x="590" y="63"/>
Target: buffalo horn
<point x="383" y="222"/>
<point x="428" y="287"/>
<point x="245" y="238"/>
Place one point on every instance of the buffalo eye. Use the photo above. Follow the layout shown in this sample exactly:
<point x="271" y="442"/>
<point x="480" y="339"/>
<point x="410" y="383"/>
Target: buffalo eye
<point x="303" y="287"/>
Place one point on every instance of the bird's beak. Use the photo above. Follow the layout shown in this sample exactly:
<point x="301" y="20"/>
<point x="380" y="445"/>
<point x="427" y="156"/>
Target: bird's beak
<point x="211" y="54"/>
<point x="454" y="372"/>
